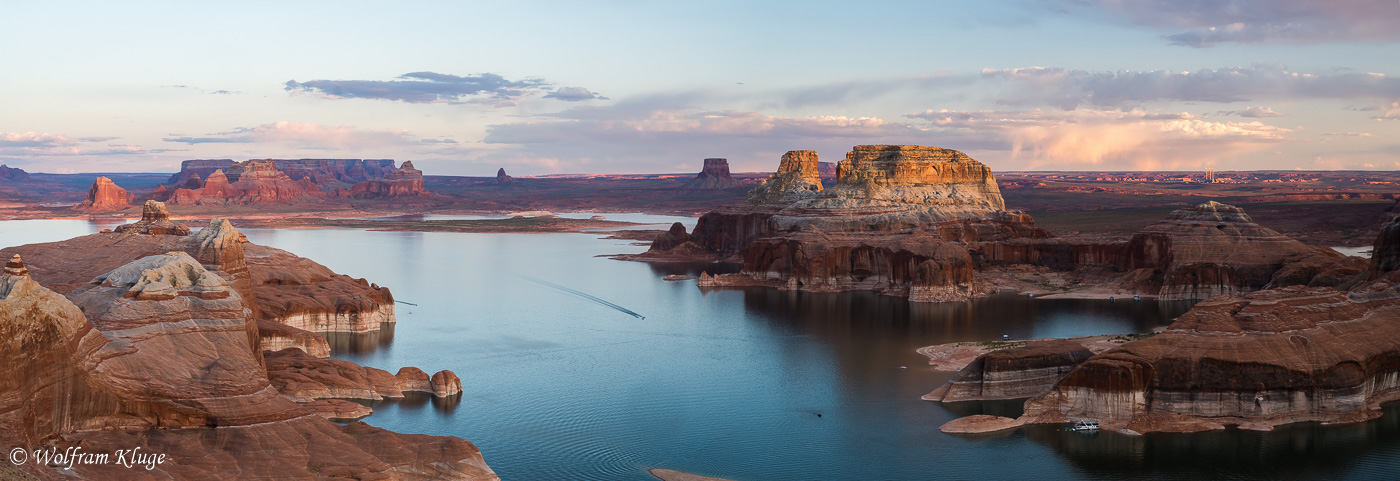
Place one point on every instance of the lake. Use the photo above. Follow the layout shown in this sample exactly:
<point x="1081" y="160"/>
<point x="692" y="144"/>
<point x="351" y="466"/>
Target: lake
<point x="729" y="383"/>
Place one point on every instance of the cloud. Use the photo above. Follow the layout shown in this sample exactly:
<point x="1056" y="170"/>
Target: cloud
<point x="33" y="140"/>
<point x="47" y="144"/>
<point x="433" y="87"/>
<point x="437" y="141"/>
<point x="573" y="94"/>
<point x="1110" y="138"/>
<point x="1389" y="111"/>
<point x="1206" y="23"/>
<point x="304" y="135"/>
<point x="1068" y="89"/>
<point x="1252" y="112"/>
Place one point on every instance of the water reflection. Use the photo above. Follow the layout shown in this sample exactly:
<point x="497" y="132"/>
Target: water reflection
<point x="361" y="342"/>
<point x="1301" y="451"/>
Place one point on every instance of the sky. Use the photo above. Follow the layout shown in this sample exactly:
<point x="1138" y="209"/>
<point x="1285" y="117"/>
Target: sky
<point x="633" y="86"/>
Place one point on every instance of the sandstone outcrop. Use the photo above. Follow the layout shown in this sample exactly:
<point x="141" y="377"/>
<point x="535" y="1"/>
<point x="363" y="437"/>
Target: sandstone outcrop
<point x="897" y="222"/>
<point x="1018" y="372"/>
<point x="329" y="174"/>
<point x="406" y="181"/>
<point x="1215" y="248"/>
<point x="1271" y="357"/>
<point x="242" y="183"/>
<point x="161" y="353"/>
<point x="713" y="176"/>
<point x="155" y="220"/>
<point x="12" y="174"/>
<point x="105" y="196"/>
<point x="304" y="378"/>
<point x="797" y="179"/>
<point x="298" y="292"/>
<point x="445" y="383"/>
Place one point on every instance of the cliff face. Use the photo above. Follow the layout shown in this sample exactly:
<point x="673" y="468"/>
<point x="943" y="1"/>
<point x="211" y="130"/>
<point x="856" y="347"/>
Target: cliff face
<point x="797" y="179"/>
<point x="1013" y="373"/>
<point x="243" y="183"/>
<point x="714" y="175"/>
<point x="328" y="173"/>
<point x="105" y="196"/>
<point x="1212" y="249"/>
<point x="404" y="182"/>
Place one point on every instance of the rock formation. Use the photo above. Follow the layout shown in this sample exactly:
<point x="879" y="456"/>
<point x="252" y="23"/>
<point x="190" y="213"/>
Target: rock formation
<point x="1018" y="372"/>
<point x="797" y="179"/>
<point x="896" y="222"/>
<point x="155" y="220"/>
<point x="105" y="196"/>
<point x="1215" y="248"/>
<point x="1270" y="357"/>
<point x="12" y="175"/>
<point x="243" y="183"/>
<point x="502" y="178"/>
<point x="328" y="174"/>
<point x="404" y="182"/>
<point x="714" y="176"/>
<point x="153" y="348"/>
<point x="445" y="383"/>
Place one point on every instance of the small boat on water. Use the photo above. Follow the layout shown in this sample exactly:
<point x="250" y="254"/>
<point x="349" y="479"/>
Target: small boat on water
<point x="1086" y="426"/>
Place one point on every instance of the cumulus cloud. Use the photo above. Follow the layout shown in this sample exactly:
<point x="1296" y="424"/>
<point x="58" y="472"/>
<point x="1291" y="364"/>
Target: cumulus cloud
<point x="1067" y="89"/>
<point x="433" y="87"/>
<point x="1206" y="23"/>
<point x="304" y="135"/>
<point x="1097" y="138"/>
<point x="1390" y="111"/>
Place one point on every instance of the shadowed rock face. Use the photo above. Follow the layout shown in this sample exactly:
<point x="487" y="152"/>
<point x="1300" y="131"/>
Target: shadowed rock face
<point x="327" y="173"/>
<point x="1270" y="357"/>
<point x="105" y="196"/>
<point x="12" y="174"/>
<point x="715" y="175"/>
<point x="1215" y="248"/>
<point x="1018" y="372"/>
<point x="502" y="178"/>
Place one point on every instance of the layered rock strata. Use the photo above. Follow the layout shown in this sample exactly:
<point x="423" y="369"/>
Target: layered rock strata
<point x="1270" y="357"/>
<point x="105" y="196"/>
<point x="713" y="176"/>
<point x="405" y="181"/>
<point x="157" y="354"/>
<point x="155" y="220"/>
<point x="797" y="179"/>
<point x="1014" y="373"/>
<point x="304" y="378"/>
<point x="242" y="183"/>
<point x="328" y="173"/>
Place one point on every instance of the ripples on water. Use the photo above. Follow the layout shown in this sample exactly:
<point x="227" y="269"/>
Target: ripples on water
<point x="729" y="382"/>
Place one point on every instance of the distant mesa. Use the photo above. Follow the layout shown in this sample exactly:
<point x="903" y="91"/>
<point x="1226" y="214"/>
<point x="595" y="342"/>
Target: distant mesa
<point x="12" y="174"/>
<point x="288" y="182"/>
<point x="827" y="170"/>
<point x="714" y="176"/>
<point x="105" y="196"/>
<point x="502" y="178"/>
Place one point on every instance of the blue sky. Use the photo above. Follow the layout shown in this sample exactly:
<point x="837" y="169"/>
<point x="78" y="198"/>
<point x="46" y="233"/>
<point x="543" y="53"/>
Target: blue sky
<point x="637" y="86"/>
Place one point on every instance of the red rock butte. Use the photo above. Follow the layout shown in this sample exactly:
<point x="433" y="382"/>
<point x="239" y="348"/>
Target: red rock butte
<point x="105" y="196"/>
<point x="714" y="176"/>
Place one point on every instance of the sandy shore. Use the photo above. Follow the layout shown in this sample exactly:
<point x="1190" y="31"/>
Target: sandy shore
<point x="954" y="356"/>
<point x="672" y="475"/>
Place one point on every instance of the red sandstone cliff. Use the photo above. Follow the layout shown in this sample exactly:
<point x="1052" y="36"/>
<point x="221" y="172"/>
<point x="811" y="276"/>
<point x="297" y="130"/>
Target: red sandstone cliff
<point x="105" y="196"/>
<point x="404" y="182"/>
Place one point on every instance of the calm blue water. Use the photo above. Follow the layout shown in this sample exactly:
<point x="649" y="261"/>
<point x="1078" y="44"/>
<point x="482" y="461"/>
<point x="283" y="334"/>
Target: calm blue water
<point x="729" y="383"/>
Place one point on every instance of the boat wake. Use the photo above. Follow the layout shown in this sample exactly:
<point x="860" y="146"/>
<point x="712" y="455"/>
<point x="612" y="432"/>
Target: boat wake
<point x="584" y="295"/>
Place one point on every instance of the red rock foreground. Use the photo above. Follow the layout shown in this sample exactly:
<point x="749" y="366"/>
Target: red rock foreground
<point x="149" y="339"/>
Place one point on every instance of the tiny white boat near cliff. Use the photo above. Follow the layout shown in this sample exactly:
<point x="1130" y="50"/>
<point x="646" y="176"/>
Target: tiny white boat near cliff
<point x="1086" y="426"/>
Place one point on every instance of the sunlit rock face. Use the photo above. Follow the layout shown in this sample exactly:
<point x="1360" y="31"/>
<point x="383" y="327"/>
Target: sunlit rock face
<point x="797" y="179"/>
<point x="406" y="181"/>
<point x="105" y="196"/>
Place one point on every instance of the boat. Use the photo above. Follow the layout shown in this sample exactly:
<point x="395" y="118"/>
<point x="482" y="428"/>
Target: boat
<point x="1086" y="426"/>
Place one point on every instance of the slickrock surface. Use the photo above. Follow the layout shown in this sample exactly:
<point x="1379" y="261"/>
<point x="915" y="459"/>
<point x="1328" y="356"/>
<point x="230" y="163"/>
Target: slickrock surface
<point x="162" y="355"/>
<point x="406" y="181"/>
<point x="339" y="409"/>
<point x="714" y="176"/>
<point x="105" y="196"/>
<point x="1018" y="372"/>
<point x="979" y="423"/>
<point x="304" y="378"/>
<point x="300" y="293"/>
